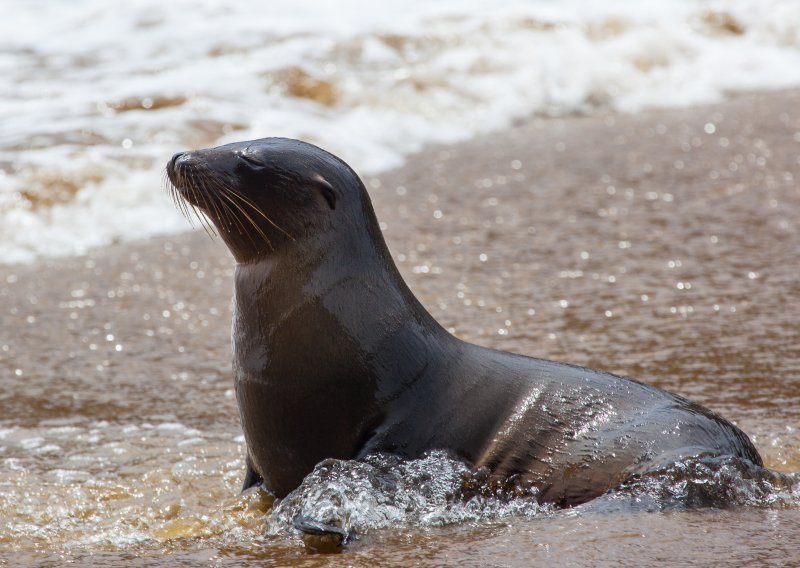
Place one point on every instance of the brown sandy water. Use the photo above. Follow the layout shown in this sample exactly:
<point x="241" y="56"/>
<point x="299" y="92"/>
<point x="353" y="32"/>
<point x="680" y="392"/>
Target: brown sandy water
<point x="662" y="246"/>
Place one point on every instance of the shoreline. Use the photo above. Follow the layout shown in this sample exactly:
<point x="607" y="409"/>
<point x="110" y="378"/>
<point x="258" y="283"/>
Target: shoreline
<point x="475" y="228"/>
<point x="606" y="114"/>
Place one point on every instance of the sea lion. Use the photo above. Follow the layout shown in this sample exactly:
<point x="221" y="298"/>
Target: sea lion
<point x="334" y="357"/>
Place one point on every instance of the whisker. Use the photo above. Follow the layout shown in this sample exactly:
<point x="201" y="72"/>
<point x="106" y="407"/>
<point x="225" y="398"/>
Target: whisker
<point x="252" y="222"/>
<point x="195" y="195"/>
<point x="177" y="198"/>
<point x="225" y="191"/>
<point x="247" y="201"/>
<point x="210" y="199"/>
<point x="203" y="218"/>
<point x="231" y="210"/>
<point x="222" y="211"/>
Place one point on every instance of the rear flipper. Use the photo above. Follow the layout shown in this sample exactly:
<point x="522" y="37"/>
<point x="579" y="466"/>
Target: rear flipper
<point x="709" y="480"/>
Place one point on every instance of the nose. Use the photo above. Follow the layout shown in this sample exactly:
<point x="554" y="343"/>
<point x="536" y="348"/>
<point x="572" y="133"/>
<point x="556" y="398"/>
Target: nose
<point x="175" y="159"/>
<point x="172" y="168"/>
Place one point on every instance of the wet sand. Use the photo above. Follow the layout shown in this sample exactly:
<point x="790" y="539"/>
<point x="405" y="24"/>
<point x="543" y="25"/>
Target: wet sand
<point x="662" y="246"/>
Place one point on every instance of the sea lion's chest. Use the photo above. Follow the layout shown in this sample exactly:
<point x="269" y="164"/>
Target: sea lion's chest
<point x="297" y="372"/>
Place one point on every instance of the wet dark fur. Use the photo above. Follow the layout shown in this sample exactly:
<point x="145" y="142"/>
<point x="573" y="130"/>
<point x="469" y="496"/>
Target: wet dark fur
<point x="335" y="357"/>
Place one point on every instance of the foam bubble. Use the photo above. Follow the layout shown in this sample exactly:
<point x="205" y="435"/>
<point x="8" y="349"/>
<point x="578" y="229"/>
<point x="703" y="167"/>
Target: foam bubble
<point x="89" y="119"/>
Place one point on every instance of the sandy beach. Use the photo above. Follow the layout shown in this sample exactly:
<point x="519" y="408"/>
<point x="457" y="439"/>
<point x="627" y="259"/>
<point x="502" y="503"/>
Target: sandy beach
<point x="662" y="245"/>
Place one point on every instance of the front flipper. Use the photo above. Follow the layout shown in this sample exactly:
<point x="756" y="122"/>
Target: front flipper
<point x="251" y="477"/>
<point x="321" y="537"/>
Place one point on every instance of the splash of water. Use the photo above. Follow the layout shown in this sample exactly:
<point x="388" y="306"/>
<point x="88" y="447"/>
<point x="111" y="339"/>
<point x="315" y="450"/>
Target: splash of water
<point x="388" y="492"/>
<point x="385" y="492"/>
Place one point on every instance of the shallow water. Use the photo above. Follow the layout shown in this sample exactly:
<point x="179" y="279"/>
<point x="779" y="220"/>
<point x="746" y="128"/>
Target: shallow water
<point x="643" y="245"/>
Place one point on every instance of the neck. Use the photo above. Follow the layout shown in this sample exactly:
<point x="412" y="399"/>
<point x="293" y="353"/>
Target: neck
<point x="301" y="303"/>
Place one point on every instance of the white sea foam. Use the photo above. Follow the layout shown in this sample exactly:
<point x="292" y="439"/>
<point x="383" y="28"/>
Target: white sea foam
<point x="97" y="96"/>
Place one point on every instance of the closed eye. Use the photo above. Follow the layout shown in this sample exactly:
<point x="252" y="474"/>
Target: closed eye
<point x="252" y="161"/>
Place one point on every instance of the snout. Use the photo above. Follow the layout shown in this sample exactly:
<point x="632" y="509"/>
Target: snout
<point x="175" y="159"/>
<point x="173" y="168"/>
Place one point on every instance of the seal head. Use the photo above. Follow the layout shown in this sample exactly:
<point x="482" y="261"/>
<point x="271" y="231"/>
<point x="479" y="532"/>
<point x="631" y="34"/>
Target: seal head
<point x="263" y="195"/>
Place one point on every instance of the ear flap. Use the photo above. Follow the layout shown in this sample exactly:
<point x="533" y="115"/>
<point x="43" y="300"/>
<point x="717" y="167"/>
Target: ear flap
<point x="326" y="189"/>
